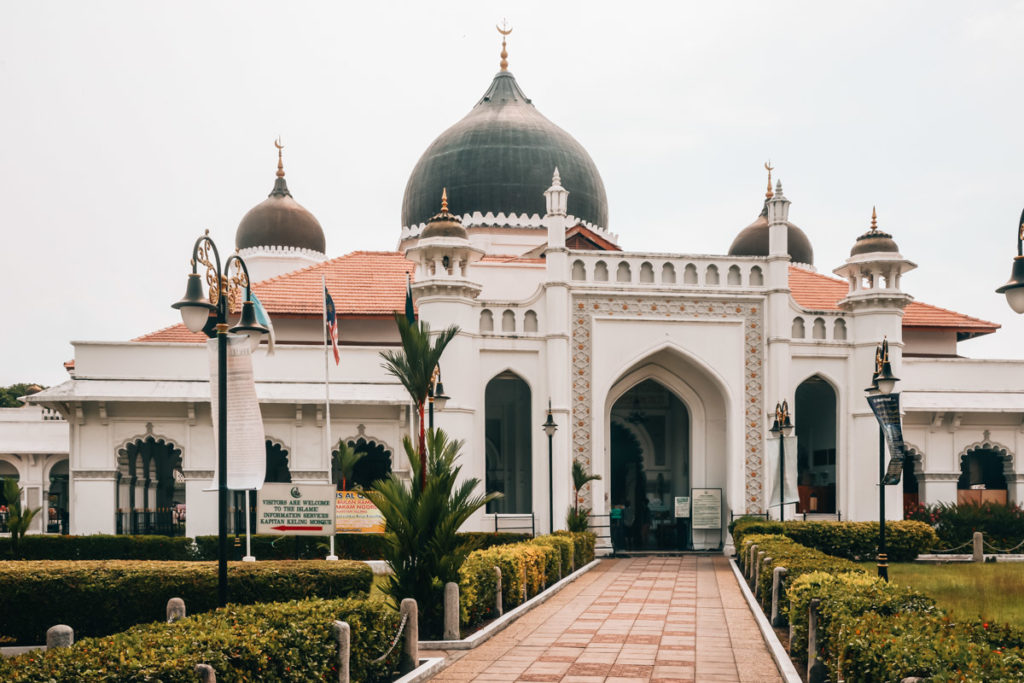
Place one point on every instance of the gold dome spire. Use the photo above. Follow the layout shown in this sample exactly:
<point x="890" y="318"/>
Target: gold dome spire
<point x="280" y="161"/>
<point x="768" y="167"/>
<point x="504" y="30"/>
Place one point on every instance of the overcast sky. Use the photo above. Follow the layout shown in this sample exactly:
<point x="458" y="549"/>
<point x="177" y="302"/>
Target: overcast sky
<point x="130" y="127"/>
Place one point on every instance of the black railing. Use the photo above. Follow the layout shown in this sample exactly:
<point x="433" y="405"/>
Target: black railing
<point x="159" y="522"/>
<point x="601" y="525"/>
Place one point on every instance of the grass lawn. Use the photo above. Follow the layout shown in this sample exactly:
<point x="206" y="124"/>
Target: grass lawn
<point x="991" y="591"/>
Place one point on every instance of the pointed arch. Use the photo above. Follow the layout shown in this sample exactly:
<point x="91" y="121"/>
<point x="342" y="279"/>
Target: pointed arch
<point x="508" y="442"/>
<point x="816" y="416"/>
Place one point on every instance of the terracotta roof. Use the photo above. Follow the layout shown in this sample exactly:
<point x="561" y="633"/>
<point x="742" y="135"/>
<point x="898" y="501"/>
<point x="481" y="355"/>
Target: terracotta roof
<point x="585" y="234"/>
<point x="818" y="292"/>
<point x="363" y="283"/>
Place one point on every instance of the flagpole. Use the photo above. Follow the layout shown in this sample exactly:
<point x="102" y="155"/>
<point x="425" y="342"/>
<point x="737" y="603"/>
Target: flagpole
<point x="327" y="397"/>
<point x="248" y="532"/>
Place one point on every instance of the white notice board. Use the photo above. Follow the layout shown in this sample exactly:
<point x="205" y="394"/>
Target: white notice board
<point x="682" y="506"/>
<point x="296" y="509"/>
<point x="706" y="508"/>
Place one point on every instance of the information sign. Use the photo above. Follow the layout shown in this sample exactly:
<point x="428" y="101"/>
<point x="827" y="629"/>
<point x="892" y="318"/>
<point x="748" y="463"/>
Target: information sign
<point x="707" y="508"/>
<point x="357" y="515"/>
<point x="296" y="509"/>
<point x="682" y="506"/>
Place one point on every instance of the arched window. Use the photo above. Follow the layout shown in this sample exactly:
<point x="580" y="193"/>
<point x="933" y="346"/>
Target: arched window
<point x="486" y="321"/>
<point x="530" y="322"/>
<point x="151" y="494"/>
<point x="711" y="276"/>
<point x="839" y="329"/>
<point x="982" y="477"/>
<point x="277" y="464"/>
<point x="373" y="466"/>
<point x="579" y="271"/>
<point x="507" y="435"/>
<point x="818" y="330"/>
<point x="57" y="516"/>
<point x="690" y="274"/>
<point x="817" y="436"/>
<point x="622" y="273"/>
<point x="601" y="271"/>
<point x="646" y="272"/>
<point x="798" y="328"/>
<point x="668" y="274"/>
<point x="734" y="278"/>
<point x="756" y="277"/>
<point x="508" y="321"/>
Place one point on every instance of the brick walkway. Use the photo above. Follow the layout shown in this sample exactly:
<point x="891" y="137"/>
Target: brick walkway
<point x="627" y="621"/>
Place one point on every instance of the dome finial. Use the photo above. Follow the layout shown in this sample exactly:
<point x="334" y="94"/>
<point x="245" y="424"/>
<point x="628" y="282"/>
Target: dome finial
<point x="280" y="161"/>
<point x="874" y="219"/>
<point x="768" y="167"/>
<point x="444" y="200"/>
<point x="504" y="30"/>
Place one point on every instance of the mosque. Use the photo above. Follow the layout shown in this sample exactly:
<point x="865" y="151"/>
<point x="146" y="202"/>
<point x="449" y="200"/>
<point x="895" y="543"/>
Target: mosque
<point x="659" y="369"/>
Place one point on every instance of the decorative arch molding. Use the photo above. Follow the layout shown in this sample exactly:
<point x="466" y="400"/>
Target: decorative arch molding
<point x="148" y="434"/>
<point x="368" y="438"/>
<point x="986" y="444"/>
<point x="509" y="370"/>
<point x="14" y="461"/>
<point x="916" y="455"/>
<point x="52" y="462"/>
<point x="641" y="435"/>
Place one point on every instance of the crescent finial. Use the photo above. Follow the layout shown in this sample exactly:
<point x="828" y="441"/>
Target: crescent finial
<point x="768" y="167"/>
<point x="280" y="161"/>
<point x="504" y="29"/>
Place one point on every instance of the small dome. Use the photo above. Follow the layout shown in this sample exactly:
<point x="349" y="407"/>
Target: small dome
<point x="874" y="240"/>
<point x="498" y="159"/>
<point x="280" y="221"/>
<point x="444" y="224"/>
<point x="753" y="241"/>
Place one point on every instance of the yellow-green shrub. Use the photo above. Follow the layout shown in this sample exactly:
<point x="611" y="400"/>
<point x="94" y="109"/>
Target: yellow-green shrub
<point x="905" y="539"/>
<point x="565" y="549"/>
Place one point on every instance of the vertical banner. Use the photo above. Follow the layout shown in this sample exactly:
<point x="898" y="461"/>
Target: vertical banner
<point x="886" y="408"/>
<point x="247" y="451"/>
<point x="791" y="493"/>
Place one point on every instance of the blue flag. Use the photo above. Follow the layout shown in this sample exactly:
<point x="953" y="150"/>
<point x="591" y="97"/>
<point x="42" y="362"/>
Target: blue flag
<point x="263" y="319"/>
<point x="332" y="325"/>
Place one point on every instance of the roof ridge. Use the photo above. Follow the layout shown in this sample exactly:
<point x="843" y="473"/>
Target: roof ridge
<point x="155" y="332"/>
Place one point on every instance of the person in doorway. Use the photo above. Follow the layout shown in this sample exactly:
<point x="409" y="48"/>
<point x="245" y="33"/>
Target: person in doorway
<point x="615" y="518"/>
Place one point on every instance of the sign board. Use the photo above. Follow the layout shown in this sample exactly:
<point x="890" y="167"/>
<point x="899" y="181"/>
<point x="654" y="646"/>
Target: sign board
<point x="296" y="509"/>
<point x="775" y="476"/>
<point x="355" y="514"/>
<point x="707" y="508"/>
<point x="682" y="506"/>
<point x="886" y="408"/>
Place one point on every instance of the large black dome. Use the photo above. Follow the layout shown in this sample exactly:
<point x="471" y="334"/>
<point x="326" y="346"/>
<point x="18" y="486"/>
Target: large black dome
<point x="499" y="159"/>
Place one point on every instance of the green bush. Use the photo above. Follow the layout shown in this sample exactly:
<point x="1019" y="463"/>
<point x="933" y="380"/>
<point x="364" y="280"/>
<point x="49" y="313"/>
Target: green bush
<point x="97" y="598"/>
<point x="565" y="549"/>
<point x="101" y="547"/>
<point x="1002" y="525"/>
<point x="277" y="547"/>
<point x="905" y="539"/>
<point x="583" y="545"/>
<point x="274" y="642"/>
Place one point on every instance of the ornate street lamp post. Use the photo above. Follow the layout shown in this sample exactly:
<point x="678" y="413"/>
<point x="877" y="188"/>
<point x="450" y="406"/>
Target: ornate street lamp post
<point x="781" y="428"/>
<point x="195" y="309"/>
<point x="550" y="428"/>
<point x="1014" y="289"/>
<point x="883" y="381"/>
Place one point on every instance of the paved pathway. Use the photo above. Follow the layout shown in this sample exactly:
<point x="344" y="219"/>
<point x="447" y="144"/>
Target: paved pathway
<point x="627" y="621"/>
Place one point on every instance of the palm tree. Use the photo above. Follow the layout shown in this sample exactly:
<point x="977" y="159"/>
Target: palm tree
<point x="422" y="548"/>
<point x="413" y="366"/>
<point x="345" y="459"/>
<point x="18" y="519"/>
<point x="577" y="518"/>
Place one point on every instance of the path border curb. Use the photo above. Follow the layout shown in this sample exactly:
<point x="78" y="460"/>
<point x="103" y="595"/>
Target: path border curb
<point x="782" y="660"/>
<point x="428" y="667"/>
<point x="499" y="624"/>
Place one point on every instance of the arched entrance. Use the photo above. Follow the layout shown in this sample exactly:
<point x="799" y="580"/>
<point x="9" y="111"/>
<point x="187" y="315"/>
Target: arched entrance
<point x="982" y="477"/>
<point x="373" y="466"/>
<point x="7" y="471"/>
<point x="150" y="492"/>
<point x="816" y="434"/>
<point x="508" y="438"/>
<point x="57" y="517"/>
<point x="650" y="465"/>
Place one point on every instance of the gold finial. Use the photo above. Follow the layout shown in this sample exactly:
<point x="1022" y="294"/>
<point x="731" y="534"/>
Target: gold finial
<point x="444" y="200"/>
<point x="874" y="219"/>
<point x="768" y="167"/>
<point x="504" y="30"/>
<point x="280" y="161"/>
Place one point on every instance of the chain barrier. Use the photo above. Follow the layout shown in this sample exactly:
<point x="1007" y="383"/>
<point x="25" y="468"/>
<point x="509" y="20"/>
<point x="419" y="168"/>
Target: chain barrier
<point x="936" y="551"/>
<point x="1002" y="550"/>
<point x="398" y="636"/>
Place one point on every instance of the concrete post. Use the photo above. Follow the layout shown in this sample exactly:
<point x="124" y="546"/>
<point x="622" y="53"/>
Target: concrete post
<point x="765" y="563"/>
<point x="342" y="635"/>
<point x="175" y="610"/>
<point x="451" y="611"/>
<point x="498" y="609"/>
<point x="757" y="571"/>
<point x="777" y="576"/>
<point x="750" y="562"/>
<point x="206" y="673"/>
<point x="60" y="635"/>
<point x="979" y="547"/>
<point x="816" y="672"/>
<point x="410" y="657"/>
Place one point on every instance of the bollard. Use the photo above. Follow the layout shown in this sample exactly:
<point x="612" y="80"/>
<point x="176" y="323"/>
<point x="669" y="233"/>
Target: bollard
<point x="60" y="635"/>
<point x="342" y="635"/>
<point x="451" y="611"/>
<point x="410" y="657"/>
<point x="206" y="673"/>
<point x="777" y="576"/>
<point x="979" y="547"/>
<point x="765" y="563"/>
<point x="497" y="593"/>
<point x="757" y="570"/>
<point x="816" y="672"/>
<point x="750" y="562"/>
<point x="175" y="610"/>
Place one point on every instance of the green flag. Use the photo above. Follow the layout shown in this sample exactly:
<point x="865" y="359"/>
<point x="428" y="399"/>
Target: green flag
<point x="410" y="312"/>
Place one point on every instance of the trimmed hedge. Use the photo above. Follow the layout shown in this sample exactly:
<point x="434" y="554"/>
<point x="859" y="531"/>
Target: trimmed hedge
<point x="98" y="598"/>
<point x="871" y="630"/>
<point x="275" y="642"/>
<point x="797" y="559"/>
<point x="526" y="569"/>
<point x="204" y="548"/>
<point x="1003" y="525"/>
<point x="904" y="539"/>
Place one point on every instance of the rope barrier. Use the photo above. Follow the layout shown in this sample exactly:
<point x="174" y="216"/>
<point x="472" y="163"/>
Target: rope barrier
<point x="398" y="636"/>
<point x="936" y="551"/>
<point x="1002" y="550"/>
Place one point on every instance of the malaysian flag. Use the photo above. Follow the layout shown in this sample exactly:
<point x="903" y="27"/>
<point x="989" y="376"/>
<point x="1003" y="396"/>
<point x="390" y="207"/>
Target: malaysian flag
<point x="332" y="325"/>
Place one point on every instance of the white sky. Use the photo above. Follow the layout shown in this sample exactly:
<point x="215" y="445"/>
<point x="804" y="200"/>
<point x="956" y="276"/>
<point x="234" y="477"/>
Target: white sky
<point x="130" y="127"/>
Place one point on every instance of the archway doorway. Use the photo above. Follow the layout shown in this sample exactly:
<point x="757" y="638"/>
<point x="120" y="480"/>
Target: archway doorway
<point x="508" y="439"/>
<point x="816" y="436"/>
<point x="150" y="488"/>
<point x="650" y="466"/>
<point x="7" y="471"/>
<point x="911" y="486"/>
<point x="57" y="517"/>
<point x="982" y="478"/>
